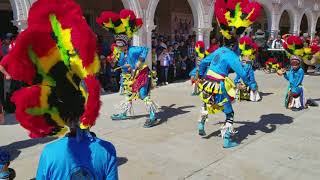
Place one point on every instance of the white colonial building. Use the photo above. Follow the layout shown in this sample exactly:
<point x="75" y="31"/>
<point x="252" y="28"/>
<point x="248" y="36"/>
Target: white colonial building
<point x="197" y="16"/>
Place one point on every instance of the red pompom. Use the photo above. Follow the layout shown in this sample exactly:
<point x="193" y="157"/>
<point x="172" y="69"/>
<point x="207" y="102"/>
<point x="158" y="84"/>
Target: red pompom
<point x="212" y="49"/>
<point x="199" y="44"/>
<point x="245" y="40"/>
<point x="93" y="104"/>
<point x="139" y="22"/>
<point x="113" y="45"/>
<point x="125" y="13"/>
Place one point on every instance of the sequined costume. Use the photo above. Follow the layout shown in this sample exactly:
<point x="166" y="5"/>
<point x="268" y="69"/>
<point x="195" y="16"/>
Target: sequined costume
<point x="137" y="78"/>
<point x="217" y="90"/>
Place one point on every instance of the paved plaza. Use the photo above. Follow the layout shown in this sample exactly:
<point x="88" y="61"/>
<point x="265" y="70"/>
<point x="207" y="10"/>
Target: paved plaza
<point x="276" y="143"/>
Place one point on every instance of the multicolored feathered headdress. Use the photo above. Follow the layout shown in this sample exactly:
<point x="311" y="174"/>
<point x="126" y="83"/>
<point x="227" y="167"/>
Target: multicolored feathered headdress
<point x="200" y="49"/>
<point x="295" y="47"/>
<point x="56" y="57"/>
<point x="122" y="25"/>
<point x="309" y="52"/>
<point x="248" y="47"/>
<point x="234" y="16"/>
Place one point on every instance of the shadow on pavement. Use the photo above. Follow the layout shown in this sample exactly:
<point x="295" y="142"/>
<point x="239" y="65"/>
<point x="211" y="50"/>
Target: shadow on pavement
<point x="267" y="124"/>
<point x="166" y="112"/>
<point x="15" y="148"/>
<point x="121" y="161"/>
<point x="262" y="94"/>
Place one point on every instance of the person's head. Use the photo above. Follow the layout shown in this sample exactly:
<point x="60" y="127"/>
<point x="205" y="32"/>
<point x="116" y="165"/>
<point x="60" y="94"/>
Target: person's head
<point x="192" y="43"/>
<point x="7" y="39"/>
<point x="122" y="41"/>
<point x="170" y="48"/>
<point x="295" y="62"/>
<point x="213" y="41"/>
<point x="278" y="37"/>
<point x="154" y="50"/>
<point x="182" y="43"/>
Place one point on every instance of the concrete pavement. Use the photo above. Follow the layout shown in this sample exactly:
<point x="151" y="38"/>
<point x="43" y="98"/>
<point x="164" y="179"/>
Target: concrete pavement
<point x="275" y="143"/>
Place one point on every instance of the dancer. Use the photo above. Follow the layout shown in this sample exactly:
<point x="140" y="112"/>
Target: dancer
<point x="194" y="74"/>
<point x="295" y="99"/>
<point x="217" y="90"/>
<point x="56" y="57"/>
<point x="137" y="77"/>
<point x="248" y="50"/>
<point x="295" y="96"/>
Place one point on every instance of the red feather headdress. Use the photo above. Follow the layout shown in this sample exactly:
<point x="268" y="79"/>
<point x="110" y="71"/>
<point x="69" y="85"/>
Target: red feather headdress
<point x="234" y="16"/>
<point x="123" y="23"/>
<point x="56" y="57"/>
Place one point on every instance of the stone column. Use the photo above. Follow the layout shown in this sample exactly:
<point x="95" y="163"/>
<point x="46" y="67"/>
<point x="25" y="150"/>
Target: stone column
<point x="206" y="37"/>
<point x="296" y="25"/>
<point x="147" y="40"/>
<point x="199" y="33"/>
<point x="275" y="19"/>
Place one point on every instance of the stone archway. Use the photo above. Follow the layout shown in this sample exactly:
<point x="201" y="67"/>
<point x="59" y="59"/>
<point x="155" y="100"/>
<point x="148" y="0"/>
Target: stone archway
<point x="285" y="23"/>
<point x="307" y="22"/>
<point x="318" y="26"/>
<point x="6" y="17"/>
<point x="304" y="25"/>
<point x="173" y="17"/>
<point x="195" y="5"/>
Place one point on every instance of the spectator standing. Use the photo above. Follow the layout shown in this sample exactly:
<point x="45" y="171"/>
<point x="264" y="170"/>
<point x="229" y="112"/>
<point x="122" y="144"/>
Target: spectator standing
<point x="164" y="63"/>
<point x="171" y="74"/>
<point x="177" y="59"/>
<point x="190" y="63"/>
<point x="184" y="56"/>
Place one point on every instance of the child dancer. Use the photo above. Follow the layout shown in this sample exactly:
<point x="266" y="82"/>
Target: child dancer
<point x="248" y="53"/>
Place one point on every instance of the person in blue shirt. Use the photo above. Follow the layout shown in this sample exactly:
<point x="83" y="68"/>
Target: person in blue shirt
<point x="217" y="90"/>
<point x="78" y="157"/>
<point x="295" y="98"/>
<point x="137" y="78"/>
<point x="248" y="51"/>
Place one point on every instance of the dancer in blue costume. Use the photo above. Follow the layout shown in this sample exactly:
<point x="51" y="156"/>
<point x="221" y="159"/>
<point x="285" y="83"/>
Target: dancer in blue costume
<point x="137" y="79"/>
<point x="248" y="53"/>
<point x="217" y="90"/>
<point x="295" y="98"/>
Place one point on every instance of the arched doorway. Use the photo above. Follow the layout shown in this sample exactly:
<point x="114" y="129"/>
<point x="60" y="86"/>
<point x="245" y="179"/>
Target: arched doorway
<point x="304" y="24"/>
<point x="318" y="27"/>
<point x="174" y="17"/>
<point x="285" y="23"/>
<point x="91" y="10"/>
<point x="6" y="18"/>
<point x="262" y="22"/>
